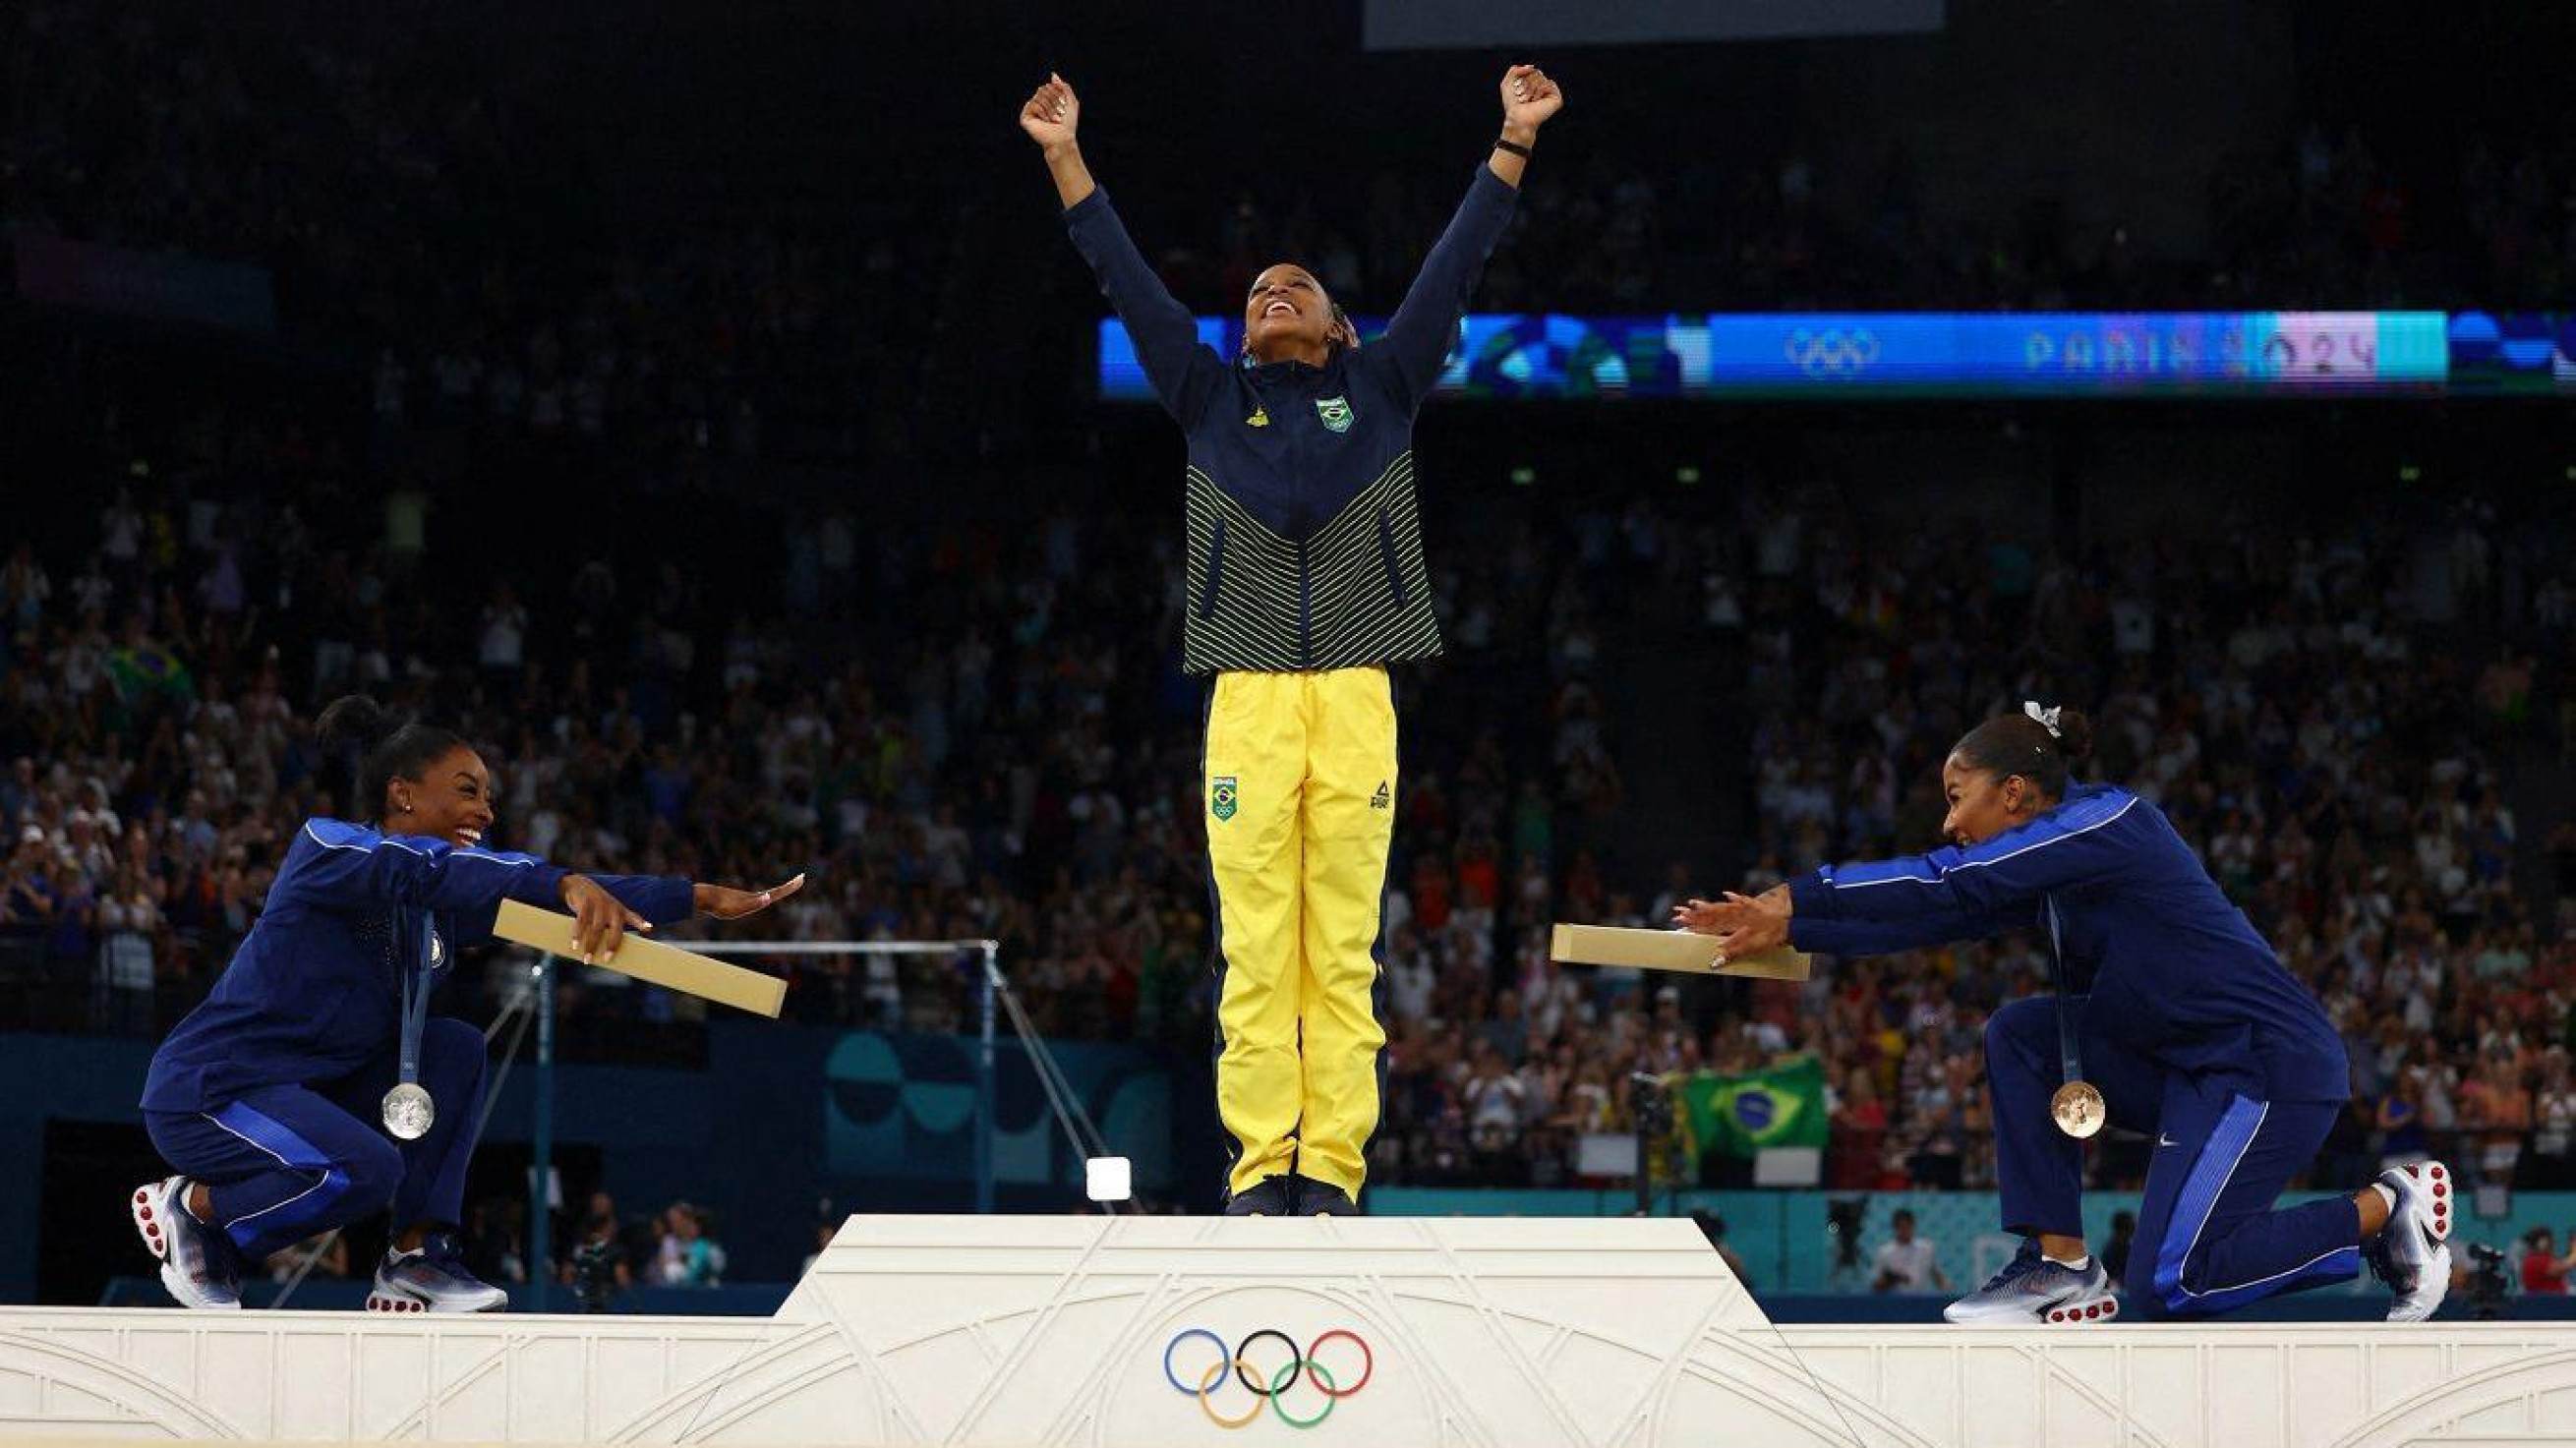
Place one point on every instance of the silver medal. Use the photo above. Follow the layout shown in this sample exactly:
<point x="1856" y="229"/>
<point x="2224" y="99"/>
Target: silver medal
<point x="409" y="1111"/>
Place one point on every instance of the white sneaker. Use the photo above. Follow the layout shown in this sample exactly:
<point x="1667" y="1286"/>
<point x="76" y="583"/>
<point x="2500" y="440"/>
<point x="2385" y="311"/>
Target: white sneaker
<point x="2412" y="1253"/>
<point x="432" y="1279"/>
<point x="2032" y="1291"/>
<point x="196" y="1262"/>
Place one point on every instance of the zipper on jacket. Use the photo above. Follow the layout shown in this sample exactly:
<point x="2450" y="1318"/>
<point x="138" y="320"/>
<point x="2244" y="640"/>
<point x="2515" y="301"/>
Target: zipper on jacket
<point x="1215" y="570"/>
<point x="1305" y="610"/>
<point x="1386" y="555"/>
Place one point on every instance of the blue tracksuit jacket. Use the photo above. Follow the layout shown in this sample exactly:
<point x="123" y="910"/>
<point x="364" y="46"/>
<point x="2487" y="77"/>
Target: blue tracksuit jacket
<point x="315" y="991"/>
<point x="2177" y="972"/>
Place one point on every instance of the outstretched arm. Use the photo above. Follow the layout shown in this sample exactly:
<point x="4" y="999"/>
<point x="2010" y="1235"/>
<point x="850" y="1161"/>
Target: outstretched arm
<point x="1183" y="371"/>
<point x="340" y="866"/>
<point x="605" y="907"/>
<point x="1744" y="924"/>
<point x="2071" y="845"/>
<point x="1416" y="343"/>
<point x="1999" y="882"/>
<point x="1877" y="937"/>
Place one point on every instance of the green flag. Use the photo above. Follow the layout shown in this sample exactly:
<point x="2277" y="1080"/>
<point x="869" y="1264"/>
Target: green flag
<point x="1780" y="1105"/>
<point x="145" y="668"/>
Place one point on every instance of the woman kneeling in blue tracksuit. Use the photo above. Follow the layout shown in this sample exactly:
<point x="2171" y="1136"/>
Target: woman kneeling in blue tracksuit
<point x="2193" y="1033"/>
<point x="311" y="1089"/>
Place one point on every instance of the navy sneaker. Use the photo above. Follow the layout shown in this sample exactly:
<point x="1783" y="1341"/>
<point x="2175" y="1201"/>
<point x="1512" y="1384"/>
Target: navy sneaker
<point x="1272" y="1196"/>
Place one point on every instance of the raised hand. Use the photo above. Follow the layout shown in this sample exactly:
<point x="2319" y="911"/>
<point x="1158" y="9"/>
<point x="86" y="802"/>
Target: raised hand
<point x="724" y="902"/>
<point x="1529" y="97"/>
<point x="1052" y="114"/>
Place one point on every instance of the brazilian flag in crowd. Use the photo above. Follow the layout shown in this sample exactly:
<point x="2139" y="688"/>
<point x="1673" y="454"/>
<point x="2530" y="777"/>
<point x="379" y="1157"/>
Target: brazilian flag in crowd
<point x="1780" y="1105"/>
<point x="143" y="669"/>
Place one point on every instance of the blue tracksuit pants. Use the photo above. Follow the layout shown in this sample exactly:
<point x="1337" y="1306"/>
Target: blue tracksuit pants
<point x="2208" y="1238"/>
<point x="284" y="1162"/>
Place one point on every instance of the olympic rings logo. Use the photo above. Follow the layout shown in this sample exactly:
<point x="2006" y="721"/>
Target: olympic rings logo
<point x="1831" y="350"/>
<point x="1301" y="1362"/>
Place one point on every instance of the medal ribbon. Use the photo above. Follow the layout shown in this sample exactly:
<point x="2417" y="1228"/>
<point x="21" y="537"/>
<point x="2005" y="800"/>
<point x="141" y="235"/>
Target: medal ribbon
<point x="413" y="967"/>
<point x="2068" y="1059"/>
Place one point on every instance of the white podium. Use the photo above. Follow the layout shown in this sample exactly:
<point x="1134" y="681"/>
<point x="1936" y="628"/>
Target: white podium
<point x="994" y="1331"/>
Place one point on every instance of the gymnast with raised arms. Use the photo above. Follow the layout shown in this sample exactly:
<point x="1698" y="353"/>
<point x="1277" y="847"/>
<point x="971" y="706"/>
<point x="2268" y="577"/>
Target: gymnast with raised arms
<point x="1305" y="583"/>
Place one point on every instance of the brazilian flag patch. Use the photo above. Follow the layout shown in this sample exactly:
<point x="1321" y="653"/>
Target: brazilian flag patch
<point x="1335" y="411"/>
<point x="1221" y="797"/>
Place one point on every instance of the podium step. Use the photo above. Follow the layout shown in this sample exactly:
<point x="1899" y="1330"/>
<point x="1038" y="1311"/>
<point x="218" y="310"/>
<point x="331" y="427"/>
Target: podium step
<point x="992" y="1331"/>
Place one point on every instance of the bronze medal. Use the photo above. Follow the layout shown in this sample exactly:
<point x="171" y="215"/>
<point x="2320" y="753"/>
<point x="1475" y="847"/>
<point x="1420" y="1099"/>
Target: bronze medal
<point x="2078" y="1109"/>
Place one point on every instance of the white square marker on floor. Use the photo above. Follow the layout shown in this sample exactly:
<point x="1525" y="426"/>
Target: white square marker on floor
<point x="1107" y="1178"/>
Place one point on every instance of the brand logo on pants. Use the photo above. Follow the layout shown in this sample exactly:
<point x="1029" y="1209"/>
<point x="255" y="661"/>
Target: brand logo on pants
<point x="1221" y="797"/>
<point x="1381" y="799"/>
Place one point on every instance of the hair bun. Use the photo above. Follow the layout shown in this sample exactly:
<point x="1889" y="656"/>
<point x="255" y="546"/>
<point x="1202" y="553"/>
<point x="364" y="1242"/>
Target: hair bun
<point x="2074" y="734"/>
<point x="352" y="725"/>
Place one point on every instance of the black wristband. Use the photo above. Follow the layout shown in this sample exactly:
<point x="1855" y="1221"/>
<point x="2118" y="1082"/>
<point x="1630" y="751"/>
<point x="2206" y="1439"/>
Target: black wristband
<point x="1505" y="143"/>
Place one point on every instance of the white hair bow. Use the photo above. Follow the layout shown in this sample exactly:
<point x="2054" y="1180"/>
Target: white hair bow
<point x="2047" y="717"/>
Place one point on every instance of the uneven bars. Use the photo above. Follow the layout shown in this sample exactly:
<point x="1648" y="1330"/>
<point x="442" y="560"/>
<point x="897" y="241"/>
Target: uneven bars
<point x="834" y="947"/>
<point x="984" y="1063"/>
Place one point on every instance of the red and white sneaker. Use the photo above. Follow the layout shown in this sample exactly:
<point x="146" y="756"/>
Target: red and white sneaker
<point x="196" y="1262"/>
<point x="2032" y="1291"/>
<point x="2412" y="1254"/>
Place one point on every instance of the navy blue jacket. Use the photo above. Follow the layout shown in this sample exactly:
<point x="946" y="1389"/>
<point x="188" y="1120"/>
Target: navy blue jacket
<point x="314" y="993"/>
<point x="2178" y="973"/>
<point x="1305" y="546"/>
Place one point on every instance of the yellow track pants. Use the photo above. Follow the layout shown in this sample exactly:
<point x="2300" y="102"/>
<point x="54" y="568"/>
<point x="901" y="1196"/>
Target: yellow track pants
<point x="1300" y="792"/>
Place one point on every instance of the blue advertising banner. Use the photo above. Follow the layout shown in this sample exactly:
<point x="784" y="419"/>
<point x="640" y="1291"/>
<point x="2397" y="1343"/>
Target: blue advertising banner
<point x="903" y="1107"/>
<point x="2064" y="354"/>
<point x="2513" y="352"/>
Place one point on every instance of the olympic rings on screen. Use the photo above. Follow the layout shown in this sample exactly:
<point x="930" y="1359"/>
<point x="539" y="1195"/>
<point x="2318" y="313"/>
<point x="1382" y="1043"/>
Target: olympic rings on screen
<point x="1300" y="1362"/>
<point x="1831" y="351"/>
